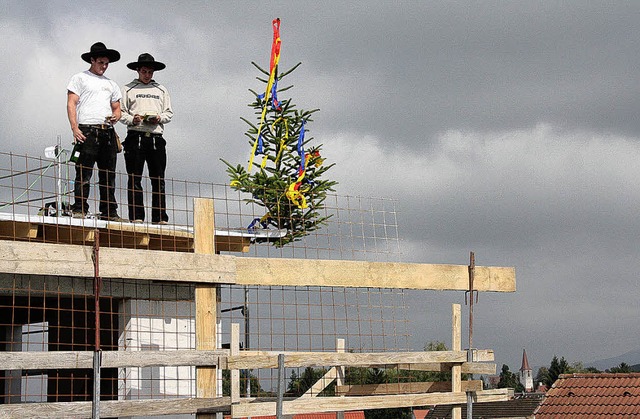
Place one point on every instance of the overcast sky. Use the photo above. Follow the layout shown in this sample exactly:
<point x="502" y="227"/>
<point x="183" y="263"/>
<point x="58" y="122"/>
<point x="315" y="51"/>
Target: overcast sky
<point x="504" y="128"/>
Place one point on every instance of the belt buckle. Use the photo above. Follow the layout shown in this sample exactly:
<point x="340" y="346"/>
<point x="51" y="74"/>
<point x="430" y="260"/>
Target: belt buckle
<point x="147" y="134"/>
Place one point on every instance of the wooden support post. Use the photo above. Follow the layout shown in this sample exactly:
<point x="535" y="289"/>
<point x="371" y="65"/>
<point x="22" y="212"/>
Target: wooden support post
<point x="340" y="347"/>
<point x="235" y="374"/>
<point x="207" y="299"/>
<point x="456" y="345"/>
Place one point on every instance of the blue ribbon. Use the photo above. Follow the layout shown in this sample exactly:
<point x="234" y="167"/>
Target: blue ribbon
<point x="301" y="146"/>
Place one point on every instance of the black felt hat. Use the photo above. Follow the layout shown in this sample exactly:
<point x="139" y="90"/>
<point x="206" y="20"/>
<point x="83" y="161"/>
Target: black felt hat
<point x="146" y="60"/>
<point x="99" y="50"/>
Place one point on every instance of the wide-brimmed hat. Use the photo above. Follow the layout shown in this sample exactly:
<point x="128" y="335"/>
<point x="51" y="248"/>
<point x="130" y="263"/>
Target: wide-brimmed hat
<point x="99" y="50"/>
<point x="146" y="60"/>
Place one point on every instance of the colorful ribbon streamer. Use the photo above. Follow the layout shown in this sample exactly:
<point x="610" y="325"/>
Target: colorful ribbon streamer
<point x="273" y="65"/>
<point x="295" y="190"/>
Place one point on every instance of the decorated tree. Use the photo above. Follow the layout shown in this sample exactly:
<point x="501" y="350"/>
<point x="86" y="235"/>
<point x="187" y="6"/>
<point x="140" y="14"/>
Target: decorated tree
<point x="288" y="181"/>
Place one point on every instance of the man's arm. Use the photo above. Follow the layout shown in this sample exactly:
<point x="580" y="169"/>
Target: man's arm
<point x="115" y="112"/>
<point x="167" y="112"/>
<point x="127" y="117"/>
<point x="72" y="104"/>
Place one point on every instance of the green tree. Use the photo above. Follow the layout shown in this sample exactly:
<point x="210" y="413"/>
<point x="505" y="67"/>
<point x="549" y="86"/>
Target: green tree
<point x="622" y="368"/>
<point x="288" y="182"/>
<point x="256" y="389"/>
<point x="299" y="384"/>
<point x="509" y="379"/>
<point x="556" y="368"/>
<point x="542" y="376"/>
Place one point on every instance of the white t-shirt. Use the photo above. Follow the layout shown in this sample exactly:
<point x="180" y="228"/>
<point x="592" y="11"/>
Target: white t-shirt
<point x="96" y="95"/>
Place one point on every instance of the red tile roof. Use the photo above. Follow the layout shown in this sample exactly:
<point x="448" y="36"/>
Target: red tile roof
<point x="347" y="415"/>
<point x="601" y="395"/>
<point x="420" y="413"/>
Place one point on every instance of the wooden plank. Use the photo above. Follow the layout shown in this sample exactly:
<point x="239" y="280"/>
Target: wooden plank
<point x="322" y="383"/>
<point x="340" y="273"/>
<point x="235" y="374"/>
<point x="66" y="234"/>
<point x="466" y="367"/>
<point x="45" y="360"/>
<point x="110" y="359"/>
<point x="207" y="299"/>
<point x="183" y="357"/>
<point x="12" y="229"/>
<point x="337" y="404"/>
<point x="73" y="260"/>
<point x="114" y="408"/>
<point x="69" y="260"/>
<point x="232" y="244"/>
<point x="456" y="345"/>
<point x="249" y="359"/>
<point x="406" y="388"/>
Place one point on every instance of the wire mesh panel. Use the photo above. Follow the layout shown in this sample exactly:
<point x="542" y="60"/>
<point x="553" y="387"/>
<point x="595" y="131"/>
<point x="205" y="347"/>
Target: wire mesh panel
<point x="32" y="190"/>
<point x="58" y="313"/>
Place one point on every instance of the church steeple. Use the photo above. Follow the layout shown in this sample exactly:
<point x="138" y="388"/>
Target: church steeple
<point x="526" y="374"/>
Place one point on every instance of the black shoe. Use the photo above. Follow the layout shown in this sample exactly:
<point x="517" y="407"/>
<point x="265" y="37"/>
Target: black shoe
<point x="78" y="214"/>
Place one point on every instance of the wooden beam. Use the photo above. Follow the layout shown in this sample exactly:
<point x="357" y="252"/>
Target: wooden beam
<point x="207" y="299"/>
<point x="406" y="388"/>
<point x="322" y="383"/>
<point x="111" y="359"/>
<point x="264" y="359"/>
<point x="337" y="404"/>
<point x="235" y="374"/>
<point x="72" y="260"/>
<point x="340" y="273"/>
<point x="114" y="408"/>
<point x="12" y="229"/>
<point x="456" y="345"/>
<point x="45" y="360"/>
<point x="466" y="367"/>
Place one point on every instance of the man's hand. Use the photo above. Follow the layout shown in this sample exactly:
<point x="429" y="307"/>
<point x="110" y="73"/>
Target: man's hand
<point x="78" y="136"/>
<point x="154" y="119"/>
<point x="137" y="119"/>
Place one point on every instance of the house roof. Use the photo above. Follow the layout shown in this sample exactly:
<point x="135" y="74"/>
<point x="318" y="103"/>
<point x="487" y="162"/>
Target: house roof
<point x="521" y="406"/>
<point x="592" y="395"/>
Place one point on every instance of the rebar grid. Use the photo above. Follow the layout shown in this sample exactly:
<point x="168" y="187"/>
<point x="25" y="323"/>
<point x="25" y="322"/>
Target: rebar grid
<point x="358" y="228"/>
<point x="147" y="316"/>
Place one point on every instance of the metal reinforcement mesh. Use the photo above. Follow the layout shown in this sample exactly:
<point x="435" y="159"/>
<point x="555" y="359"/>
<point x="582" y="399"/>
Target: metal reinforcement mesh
<point x="57" y="313"/>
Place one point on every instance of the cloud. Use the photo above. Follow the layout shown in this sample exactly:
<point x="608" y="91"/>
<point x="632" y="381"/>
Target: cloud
<point x="509" y="129"/>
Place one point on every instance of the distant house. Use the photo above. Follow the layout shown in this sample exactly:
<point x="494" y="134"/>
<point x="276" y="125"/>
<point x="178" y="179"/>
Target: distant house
<point x="592" y="395"/>
<point x="522" y="406"/>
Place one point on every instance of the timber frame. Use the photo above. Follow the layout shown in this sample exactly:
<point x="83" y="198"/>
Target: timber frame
<point x="199" y="263"/>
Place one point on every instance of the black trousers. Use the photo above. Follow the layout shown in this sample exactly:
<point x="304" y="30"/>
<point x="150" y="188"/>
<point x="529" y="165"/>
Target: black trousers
<point x="99" y="148"/>
<point x="138" y="150"/>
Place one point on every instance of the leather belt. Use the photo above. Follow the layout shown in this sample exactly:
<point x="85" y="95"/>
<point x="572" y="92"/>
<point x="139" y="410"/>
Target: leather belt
<point x="97" y="126"/>
<point x="147" y="134"/>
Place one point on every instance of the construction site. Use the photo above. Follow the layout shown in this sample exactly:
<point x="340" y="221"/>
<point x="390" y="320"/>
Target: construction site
<point x="208" y="317"/>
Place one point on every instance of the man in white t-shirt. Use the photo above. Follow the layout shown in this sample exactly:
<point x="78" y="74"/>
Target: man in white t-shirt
<point x="93" y="106"/>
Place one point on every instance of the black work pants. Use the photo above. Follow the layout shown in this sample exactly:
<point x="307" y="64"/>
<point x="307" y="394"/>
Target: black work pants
<point x="141" y="148"/>
<point x="99" y="148"/>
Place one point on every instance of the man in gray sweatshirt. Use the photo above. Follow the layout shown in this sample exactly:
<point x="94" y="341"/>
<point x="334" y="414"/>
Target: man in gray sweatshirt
<point x="146" y="107"/>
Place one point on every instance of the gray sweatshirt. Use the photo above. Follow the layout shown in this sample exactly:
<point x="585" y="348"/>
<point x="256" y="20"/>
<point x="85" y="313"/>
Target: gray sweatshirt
<point x="146" y="100"/>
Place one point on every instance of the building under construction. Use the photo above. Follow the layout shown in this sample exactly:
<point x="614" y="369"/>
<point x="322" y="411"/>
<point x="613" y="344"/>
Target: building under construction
<point x="205" y="316"/>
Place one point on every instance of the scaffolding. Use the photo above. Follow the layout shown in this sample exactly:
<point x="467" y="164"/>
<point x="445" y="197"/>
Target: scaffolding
<point x="206" y="315"/>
